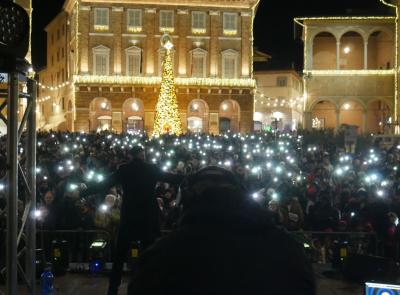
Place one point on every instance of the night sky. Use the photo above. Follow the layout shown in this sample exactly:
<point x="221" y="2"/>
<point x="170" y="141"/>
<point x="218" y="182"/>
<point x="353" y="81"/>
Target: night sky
<point x="273" y="29"/>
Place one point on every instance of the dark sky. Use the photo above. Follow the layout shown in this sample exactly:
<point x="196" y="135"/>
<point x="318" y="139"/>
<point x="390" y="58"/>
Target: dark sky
<point x="273" y="29"/>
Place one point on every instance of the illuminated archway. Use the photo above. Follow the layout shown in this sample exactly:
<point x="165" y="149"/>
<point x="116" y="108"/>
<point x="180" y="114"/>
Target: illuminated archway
<point x="324" y="51"/>
<point x="380" y="50"/>
<point x="352" y="114"/>
<point x="133" y="115"/>
<point x="351" y="54"/>
<point x="229" y="116"/>
<point x="323" y="115"/>
<point x="197" y="116"/>
<point x="100" y="114"/>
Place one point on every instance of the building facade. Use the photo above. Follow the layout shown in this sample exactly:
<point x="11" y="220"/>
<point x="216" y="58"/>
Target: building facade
<point x="109" y="74"/>
<point x="278" y="100"/>
<point x="350" y="73"/>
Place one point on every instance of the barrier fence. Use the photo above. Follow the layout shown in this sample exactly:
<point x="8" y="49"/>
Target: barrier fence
<point x="321" y="247"/>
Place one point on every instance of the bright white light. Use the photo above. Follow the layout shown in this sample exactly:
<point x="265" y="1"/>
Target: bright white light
<point x="37" y="213"/>
<point x="227" y="163"/>
<point x="275" y="196"/>
<point x="346" y="50"/>
<point x="73" y="187"/>
<point x="103" y="208"/>
<point x="256" y="196"/>
<point x="380" y="193"/>
<point x="277" y="115"/>
<point x="339" y="171"/>
<point x="352" y="214"/>
<point x="195" y="106"/>
<point x="135" y="107"/>
<point x="278" y="169"/>
<point x="103" y="105"/>
<point x="168" y="45"/>
<point x="100" y="178"/>
<point x="2" y="187"/>
<point x="224" y="106"/>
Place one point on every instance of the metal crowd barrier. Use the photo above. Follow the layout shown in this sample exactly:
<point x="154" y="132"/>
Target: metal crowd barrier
<point x="78" y="243"/>
<point x="328" y="247"/>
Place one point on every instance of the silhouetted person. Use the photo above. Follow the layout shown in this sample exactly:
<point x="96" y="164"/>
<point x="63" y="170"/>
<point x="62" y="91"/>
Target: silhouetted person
<point x="225" y="244"/>
<point x="139" y="209"/>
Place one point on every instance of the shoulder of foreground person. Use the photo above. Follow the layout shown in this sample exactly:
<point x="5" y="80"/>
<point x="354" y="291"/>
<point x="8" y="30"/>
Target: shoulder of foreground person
<point x="270" y="261"/>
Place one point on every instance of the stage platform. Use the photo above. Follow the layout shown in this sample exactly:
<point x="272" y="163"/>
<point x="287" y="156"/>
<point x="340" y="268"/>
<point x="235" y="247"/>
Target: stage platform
<point x="81" y="284"/>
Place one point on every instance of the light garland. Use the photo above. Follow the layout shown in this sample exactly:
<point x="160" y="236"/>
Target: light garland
<point x="297" y="19"/>
<point x="350" y="72"/>
<point x="167" y="120"/>
<point x="219" y="82"/>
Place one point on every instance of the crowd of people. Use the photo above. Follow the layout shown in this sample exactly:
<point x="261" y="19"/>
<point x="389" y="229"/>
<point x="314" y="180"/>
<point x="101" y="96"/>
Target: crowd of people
<point x="306" y="179"/>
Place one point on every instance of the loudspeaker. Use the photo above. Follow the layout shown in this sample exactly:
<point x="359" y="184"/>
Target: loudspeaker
<point x="361" y="268"/>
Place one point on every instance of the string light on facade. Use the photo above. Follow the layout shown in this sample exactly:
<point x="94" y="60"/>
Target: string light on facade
<point x="167" y="120"/>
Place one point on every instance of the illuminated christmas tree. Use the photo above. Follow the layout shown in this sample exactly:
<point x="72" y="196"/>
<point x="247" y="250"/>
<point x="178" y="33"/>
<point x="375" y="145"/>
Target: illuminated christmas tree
<point x="167" y="119"/>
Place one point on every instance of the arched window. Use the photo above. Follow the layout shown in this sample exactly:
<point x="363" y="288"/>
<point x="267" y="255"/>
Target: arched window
<point x="229" y="64"/>
<point x="133" y="61"/>
<point x="101" y="60"/>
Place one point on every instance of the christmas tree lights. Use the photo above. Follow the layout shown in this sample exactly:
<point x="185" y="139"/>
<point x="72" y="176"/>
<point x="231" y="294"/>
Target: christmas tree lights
<point x="167" y="120"/>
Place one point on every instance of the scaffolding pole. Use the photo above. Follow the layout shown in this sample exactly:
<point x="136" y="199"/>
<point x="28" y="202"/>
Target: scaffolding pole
<point x="27" y="176"/>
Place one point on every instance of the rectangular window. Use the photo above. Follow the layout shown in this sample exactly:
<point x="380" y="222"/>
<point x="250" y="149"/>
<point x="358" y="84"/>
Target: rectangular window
<point x="167" y="20"/>
<point x="134" y="61"/>
<point x="198" y="65"/>
<point x="198" y="22"/>
<point x="134" y="20"/>
<point x="230" y="23"/>
<point x="229" y="67"/>
<point x="281" y="81"/>
<point x="101" y="64"/>
<point x="101" y="19"/>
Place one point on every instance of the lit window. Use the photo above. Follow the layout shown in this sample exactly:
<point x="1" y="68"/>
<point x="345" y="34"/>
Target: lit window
<point x="133" y="61"/>
<point x="134" y="20"/>
<point x="281" y="81"/>
<point x="229" y="64"/>
<point x="166" y="21"/>
<point x="198" y="22"/>
<point x="230" y="23"/>
<point x="101" y="60"/>
<point x="101" y="19"/>
<point x="198" y="63"/>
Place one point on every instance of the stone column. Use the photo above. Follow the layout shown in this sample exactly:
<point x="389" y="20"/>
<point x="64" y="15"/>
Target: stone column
<point x="337" y="120"/>
<point x="215" y="29"/>
<point x="116" y="28"/>
<point x="84" y="27"/>
<point x="184" y="27"/>
<point x="307" y="121"/>
<point x="150" y="50"/>
<point x="246" y="44"/>
<point x="365" y="55"/>
<point x="365" y="121"/>
<point x="337" y="55"/>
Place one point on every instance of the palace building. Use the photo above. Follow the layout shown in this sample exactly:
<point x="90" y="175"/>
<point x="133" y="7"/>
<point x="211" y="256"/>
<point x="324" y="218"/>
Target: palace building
<point x="104" y="64"/>
<point x="350" y="73"/>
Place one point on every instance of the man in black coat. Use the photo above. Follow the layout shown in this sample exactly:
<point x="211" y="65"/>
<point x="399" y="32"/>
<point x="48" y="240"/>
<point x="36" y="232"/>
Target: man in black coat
<point x="225" y="244"/>
<point x="139" y="209"/>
